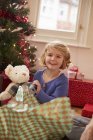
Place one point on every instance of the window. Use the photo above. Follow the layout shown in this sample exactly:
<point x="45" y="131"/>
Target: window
<point x="65" y="20"/>
<point x="60" y="14"/>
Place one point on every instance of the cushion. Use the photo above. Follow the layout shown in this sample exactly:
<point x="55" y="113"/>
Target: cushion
<point x="87" y="111"/>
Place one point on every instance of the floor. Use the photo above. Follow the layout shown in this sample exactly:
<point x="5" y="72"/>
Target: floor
<point x="77" y="111"/>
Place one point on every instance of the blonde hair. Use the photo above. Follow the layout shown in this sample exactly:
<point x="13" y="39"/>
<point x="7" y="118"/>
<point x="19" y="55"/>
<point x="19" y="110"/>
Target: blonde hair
<point x="60" y="47"/>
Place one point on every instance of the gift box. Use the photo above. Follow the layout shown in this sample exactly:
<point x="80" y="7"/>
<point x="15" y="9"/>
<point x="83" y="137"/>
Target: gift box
<point x="80" y="76"/>
<point x="71" y="74"/>
<point x="74" y="73"/>
<point x="80" y="92"/>
<point x="74" y="69"/>
<point x="87" y="111"/>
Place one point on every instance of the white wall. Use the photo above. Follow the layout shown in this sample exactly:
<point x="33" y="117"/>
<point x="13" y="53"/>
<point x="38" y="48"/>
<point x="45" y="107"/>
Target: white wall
<point x="82" y="57"/>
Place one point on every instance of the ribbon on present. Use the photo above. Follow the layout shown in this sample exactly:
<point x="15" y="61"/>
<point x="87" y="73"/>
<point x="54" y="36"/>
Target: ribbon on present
<point x="72" y="72"/>
<point x="75" y="74"/>
<point x="48" y="121"/>
<point x="74" y="68"/>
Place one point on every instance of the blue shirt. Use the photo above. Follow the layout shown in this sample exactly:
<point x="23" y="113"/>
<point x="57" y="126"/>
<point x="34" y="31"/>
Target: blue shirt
<point x="57" y="87"/>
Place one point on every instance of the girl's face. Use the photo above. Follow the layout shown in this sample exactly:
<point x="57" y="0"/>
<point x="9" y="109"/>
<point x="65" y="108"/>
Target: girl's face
<point x="53" y="59"/>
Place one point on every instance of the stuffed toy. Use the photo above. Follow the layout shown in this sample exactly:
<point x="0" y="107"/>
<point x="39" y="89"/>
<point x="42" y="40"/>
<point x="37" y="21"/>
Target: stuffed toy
<point x="18" y="75"/>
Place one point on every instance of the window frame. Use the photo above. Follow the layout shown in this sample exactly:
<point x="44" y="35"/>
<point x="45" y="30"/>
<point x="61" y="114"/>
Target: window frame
<point x="79" y="38"/>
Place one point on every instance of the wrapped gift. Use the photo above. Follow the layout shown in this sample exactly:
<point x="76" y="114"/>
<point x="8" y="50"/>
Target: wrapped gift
<point x="80" y="92"/>
<point x="80" y="76"/>
<point x="75" y="74"/>
<point x="71" y="74"/>
<point x="74" y="69"/>
<point x="87" y="111"/>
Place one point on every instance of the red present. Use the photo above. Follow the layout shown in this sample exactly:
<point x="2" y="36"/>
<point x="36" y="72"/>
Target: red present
<point x="87" y="111"/>
<point x="80" y="92"/>
<point x="74" y="68"/>
<point x="80" y="76"/>
<point x="72" y="74"/>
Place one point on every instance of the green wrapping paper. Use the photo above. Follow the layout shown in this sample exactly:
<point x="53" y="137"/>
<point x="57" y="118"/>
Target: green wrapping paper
<point x="48" y="121"/>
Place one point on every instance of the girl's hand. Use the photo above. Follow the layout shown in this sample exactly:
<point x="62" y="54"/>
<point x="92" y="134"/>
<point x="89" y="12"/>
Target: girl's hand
<point x="36" y="82"/>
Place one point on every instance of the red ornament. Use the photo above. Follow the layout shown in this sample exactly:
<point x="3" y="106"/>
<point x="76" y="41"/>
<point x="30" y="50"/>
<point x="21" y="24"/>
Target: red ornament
<point x="2" y="13"/>
<point x="18" y="18"/>
<point x="9" y="16"/>
<point x="21" y="43"/>
<point x="24" y="19"/>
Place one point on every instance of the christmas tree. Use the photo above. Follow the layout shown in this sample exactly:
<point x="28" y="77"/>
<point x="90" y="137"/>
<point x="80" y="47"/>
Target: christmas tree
<point x="15" y="49"/>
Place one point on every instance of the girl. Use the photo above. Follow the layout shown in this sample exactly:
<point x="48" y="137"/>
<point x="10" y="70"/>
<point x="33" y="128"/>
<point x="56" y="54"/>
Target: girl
<point x="52" y="82"/>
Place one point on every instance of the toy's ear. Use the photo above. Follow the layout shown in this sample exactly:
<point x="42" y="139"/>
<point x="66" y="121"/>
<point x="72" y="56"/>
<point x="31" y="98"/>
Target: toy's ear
<point x="8" y="69"/>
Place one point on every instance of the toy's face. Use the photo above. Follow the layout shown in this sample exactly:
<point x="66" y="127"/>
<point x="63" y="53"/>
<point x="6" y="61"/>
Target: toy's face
<point x="19" y="74"/>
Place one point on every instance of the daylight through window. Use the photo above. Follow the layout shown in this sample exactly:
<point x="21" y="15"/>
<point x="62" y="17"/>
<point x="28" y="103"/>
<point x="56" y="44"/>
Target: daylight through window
<point x="58" y="15"/>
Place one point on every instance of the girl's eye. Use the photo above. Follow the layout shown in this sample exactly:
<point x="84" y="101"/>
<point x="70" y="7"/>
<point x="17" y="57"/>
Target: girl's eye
<point x="16" y="73"/>
<point x="49" y="54"/>
<point x="58" y="56"/>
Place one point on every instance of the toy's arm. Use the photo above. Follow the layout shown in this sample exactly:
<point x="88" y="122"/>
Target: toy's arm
<point x="5" y="94"/>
